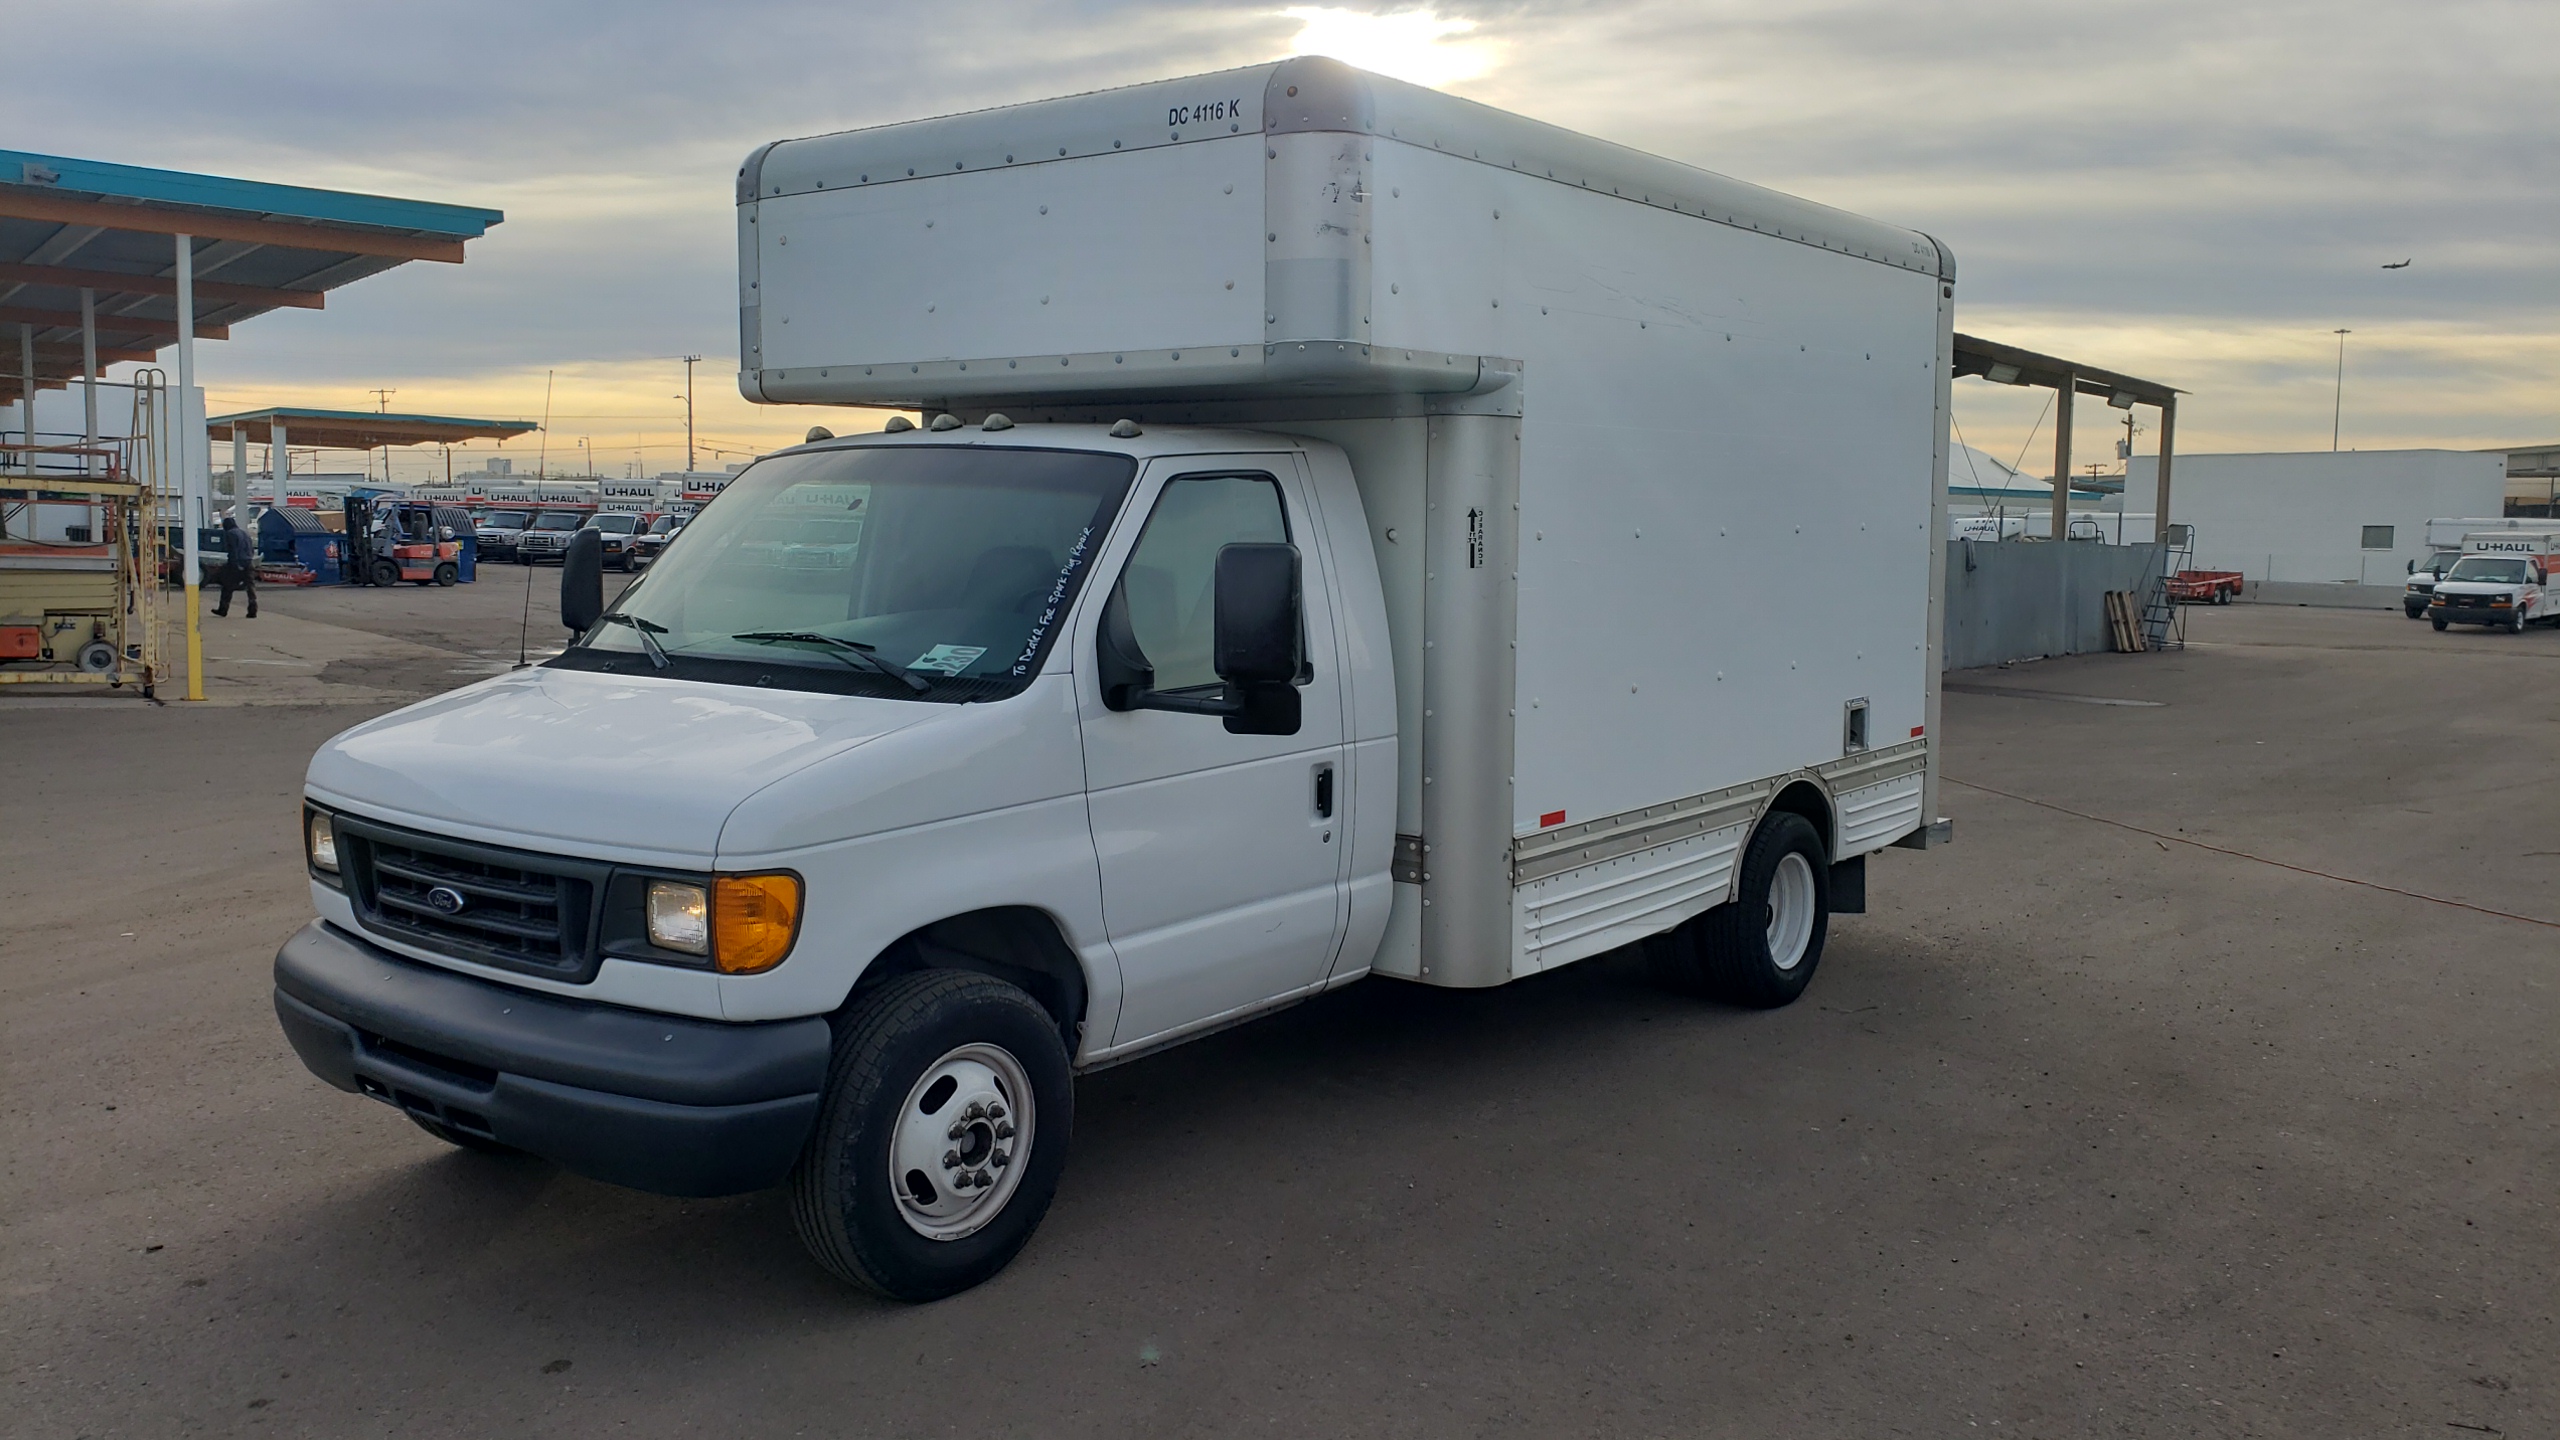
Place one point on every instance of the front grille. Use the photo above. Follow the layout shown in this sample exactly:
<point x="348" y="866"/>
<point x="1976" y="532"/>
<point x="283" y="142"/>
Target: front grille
<point x="516" y="910"/>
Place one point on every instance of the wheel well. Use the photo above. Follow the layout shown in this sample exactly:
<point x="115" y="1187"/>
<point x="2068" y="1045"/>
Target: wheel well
<point x="1806" y="799"/>
<point x="1014" y="943"/>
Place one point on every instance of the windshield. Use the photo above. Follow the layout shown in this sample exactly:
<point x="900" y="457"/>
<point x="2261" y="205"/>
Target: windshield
<point x="506" y="520"/>
<point x="559" y="520"/>
<point x="616" y="524"/>
<point x="666" y="525"/>
<point x="2488" y="569"/>
<point x="950" y="563"/>
<point x="2437" y="564"/>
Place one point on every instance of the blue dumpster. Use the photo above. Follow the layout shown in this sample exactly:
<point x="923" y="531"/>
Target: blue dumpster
<point x="295" y="536"/>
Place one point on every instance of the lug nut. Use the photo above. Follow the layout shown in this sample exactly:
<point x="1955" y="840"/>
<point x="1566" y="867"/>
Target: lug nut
<point x="1005" y="1131"/>
<point x="994" y="1111"/>
<point x="975" y="1111"/>
<point x="950" y="1159"/>
<point x="955" y="1132"/>
<point x="1002" y="1159"/>
<point x="985" y="1180"/>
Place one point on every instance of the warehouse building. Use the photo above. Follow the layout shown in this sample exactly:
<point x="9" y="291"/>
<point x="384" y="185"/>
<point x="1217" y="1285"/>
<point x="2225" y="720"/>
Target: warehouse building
<point x="2352" y="517"/>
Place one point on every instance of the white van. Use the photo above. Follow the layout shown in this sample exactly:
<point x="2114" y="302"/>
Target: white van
<point x="2502" y="581"/>
<point x="1356" y="532"/>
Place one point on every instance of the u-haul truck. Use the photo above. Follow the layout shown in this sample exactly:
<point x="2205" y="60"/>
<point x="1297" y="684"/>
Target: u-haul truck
<point x="2501" y="581"/>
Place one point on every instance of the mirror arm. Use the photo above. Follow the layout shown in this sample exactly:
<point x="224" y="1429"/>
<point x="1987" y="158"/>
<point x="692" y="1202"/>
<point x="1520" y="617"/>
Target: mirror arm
<point x="1225" y="704"/>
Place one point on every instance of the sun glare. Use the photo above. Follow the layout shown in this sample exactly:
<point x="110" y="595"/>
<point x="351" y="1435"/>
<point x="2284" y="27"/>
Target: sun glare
<point x="1421" y="46"/>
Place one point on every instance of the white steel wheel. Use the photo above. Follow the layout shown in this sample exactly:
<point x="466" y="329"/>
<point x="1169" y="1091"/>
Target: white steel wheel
<point x="920" y="1178"/>
<point x="1792" y="910"/>
<point x="961" y="1141"/>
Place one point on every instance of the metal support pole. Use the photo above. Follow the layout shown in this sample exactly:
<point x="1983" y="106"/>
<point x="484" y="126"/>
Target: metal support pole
<point x="189" y="448"/>
<point x="240" y="478"/>
<point x="2168" y="448"/>
<point x="27" y="396"/>
<point x="2062" y="456"/>
<point x="279" y="463"/>
<point x="89" y="380"/>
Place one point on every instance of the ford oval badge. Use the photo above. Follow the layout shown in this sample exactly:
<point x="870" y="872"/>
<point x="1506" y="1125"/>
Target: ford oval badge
<point x="446" y="899"/>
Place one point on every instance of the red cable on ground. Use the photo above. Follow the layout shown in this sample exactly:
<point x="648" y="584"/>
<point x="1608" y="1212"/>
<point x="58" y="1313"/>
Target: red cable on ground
<point x="2261" y="859"/>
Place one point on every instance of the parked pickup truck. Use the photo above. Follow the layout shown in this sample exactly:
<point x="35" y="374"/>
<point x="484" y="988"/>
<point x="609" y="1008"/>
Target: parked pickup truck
<point x="1346" y="540"/>
<point x="547" y="538"/>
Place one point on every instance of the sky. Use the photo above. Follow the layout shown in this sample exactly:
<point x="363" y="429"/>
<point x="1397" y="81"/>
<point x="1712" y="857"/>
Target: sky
<point x="2197" y="193"/>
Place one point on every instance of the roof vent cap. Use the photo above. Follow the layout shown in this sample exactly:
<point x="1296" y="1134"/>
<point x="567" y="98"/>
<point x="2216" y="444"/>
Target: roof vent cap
<point x="816" y="434"/>
<point x="944" y="421"/>
<point x="898" y="425"/>
<point x="1126" y="430"/>
<point x="995" y="422"/>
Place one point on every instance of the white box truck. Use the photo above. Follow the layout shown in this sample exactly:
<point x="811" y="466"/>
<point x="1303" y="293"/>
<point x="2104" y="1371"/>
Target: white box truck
<point x="2502" y="581"/>
<point x="1356" y="532"/>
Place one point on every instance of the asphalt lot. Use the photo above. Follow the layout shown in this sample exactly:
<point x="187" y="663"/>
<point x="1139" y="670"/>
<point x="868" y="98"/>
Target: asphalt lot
<point x="2082" y="1131"/>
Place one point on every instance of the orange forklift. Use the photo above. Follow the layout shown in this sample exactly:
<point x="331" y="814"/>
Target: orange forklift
<point x="394" y="541"/>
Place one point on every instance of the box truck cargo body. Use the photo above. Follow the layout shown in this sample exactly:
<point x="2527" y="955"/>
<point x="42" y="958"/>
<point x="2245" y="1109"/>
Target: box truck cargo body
<point x="1356" y="532"/>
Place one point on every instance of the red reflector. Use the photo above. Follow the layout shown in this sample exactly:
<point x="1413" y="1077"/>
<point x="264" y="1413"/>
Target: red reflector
<point x="1916" y="729"/>
<point x="1552" y="817"/>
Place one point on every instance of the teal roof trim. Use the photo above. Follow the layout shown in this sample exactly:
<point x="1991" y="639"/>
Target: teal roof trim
<point x="248" y="197"/>
<point x="291" y="413"/>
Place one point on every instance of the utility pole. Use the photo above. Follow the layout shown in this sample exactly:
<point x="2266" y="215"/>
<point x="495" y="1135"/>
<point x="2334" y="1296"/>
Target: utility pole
<point x="689" y="362"/>
<point x="382" y="397"/>
<point x="2338" y="402"/>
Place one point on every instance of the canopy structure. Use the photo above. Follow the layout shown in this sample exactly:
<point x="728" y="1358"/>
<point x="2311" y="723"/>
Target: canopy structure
<point x="83" y="240"/>
<point x="280" y="427"/>
<point x="2011" y="365"/>
<point x="358" y="429"/>
<point x="102" y="263"/>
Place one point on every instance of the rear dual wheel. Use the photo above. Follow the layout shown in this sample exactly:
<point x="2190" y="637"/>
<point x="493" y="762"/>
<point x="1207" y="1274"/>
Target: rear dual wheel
<point x="941" y="1136"/>
<point x="1761" y="949"/>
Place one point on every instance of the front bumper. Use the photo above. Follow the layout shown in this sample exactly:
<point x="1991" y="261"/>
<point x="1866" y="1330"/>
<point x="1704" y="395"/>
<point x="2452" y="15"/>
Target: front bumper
<point x="2472" y="614"/>
<point x="656" y="1102"/>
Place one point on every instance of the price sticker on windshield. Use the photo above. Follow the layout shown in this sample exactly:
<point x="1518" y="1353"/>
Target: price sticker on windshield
<point x="947" y="659"/>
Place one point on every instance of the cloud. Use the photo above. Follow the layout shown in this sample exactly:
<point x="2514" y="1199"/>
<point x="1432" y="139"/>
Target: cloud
<point x="2191" y="189"/>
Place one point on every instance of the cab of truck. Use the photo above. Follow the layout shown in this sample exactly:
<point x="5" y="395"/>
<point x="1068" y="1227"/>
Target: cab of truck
<point x="2423" y="575"/>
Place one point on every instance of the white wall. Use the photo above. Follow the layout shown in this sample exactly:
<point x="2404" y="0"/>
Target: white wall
<point x="2300" y="517"/>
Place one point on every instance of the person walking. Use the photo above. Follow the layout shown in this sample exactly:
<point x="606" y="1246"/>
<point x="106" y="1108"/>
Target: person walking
<point x="239" y="568"/>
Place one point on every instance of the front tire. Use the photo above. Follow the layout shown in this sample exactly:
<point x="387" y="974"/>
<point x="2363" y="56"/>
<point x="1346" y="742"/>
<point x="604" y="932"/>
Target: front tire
<point x="941" y="1137"/>
<point x="1760" y="951"/>
<point x="2439" y="624"/>
<point x="447" y="574"/>
<point x="2515" y="621"/>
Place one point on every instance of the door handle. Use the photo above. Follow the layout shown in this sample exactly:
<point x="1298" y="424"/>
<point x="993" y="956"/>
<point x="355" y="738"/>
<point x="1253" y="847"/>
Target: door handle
<point x="1324" y="792"/>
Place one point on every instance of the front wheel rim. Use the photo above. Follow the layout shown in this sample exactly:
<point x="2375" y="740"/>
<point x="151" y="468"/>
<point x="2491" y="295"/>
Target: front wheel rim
<point x="962" y="1139"/>
<point x="1791" y="910"/>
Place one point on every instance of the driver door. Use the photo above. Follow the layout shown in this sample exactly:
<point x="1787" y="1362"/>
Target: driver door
<point x="1221" y="854"/>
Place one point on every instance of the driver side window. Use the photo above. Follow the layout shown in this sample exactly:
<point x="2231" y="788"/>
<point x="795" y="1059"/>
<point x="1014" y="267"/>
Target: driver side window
<point x="1170" y="583"/>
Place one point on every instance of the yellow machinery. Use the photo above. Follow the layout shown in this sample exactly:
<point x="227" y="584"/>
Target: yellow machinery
<point x="80" y="609"/>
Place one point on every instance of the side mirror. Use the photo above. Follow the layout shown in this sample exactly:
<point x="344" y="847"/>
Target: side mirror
<point x="582" y="582"/>
<point x="2413" y="567"/>
<point x="1256" y="648"/>
<point x="1257" y="605"/>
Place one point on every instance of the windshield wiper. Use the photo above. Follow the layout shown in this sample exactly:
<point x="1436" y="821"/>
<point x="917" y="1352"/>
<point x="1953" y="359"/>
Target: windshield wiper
<point x="846" y="650"/>
<point x="649" y="633"/>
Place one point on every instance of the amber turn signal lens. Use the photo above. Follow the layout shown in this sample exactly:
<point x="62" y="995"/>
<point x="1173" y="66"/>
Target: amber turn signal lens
<point x="754" y="919"/>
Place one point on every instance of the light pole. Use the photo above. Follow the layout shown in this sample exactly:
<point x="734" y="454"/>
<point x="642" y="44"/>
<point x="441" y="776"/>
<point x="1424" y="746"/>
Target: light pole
<point x="2338" y="402"/>
<point x="689" y="362"/>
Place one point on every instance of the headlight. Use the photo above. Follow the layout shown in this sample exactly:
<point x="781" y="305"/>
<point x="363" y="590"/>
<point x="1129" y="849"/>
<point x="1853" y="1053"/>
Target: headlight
<point x="320" y="841"/>
<point x="754" y="921"/>
<point x="679" y="917"/>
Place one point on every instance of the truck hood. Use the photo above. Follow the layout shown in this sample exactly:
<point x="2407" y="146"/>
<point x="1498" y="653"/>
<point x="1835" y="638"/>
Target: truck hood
<point x="2479" y="587"/>
<point x="616" y="767"/>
